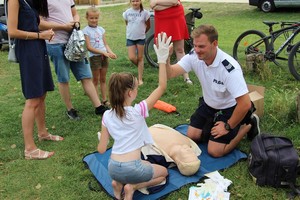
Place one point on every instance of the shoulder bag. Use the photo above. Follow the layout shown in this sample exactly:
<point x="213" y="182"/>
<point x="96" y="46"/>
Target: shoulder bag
<point x="11" y="53"/>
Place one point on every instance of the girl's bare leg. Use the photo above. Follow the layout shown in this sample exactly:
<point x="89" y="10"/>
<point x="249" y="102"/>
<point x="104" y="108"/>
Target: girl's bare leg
<point x="140" y="62"/>
<point x="96" y="77"/>
<point x="132" y="54"/>
<point x="117" y="187"/>
<point x="159" y="175"/>
<point x="102" y="81"/>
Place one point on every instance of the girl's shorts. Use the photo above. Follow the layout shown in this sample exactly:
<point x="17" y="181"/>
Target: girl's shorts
<point x="131" y="172"/>
<point x="135" y="42"/>
<point x="98" y="62"/>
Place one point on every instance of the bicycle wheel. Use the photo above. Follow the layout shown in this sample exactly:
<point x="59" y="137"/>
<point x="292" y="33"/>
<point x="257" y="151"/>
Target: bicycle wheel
<point x="294" y="61"/>
<point x="149" y="51"/>
<point x="282" y="57"/>
<point x="249" y="43"/>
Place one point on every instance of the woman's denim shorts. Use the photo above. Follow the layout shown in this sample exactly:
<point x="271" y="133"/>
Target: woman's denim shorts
<point x="131" y="172"/>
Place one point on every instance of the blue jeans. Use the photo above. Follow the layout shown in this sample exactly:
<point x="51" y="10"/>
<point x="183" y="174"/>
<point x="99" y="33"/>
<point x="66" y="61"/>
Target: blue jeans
<point x="131" y="172"/>
<point x="81" y="70"/>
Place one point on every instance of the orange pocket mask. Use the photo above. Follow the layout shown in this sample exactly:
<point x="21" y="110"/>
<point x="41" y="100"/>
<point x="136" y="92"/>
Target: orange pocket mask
<point x="166" y="107"/>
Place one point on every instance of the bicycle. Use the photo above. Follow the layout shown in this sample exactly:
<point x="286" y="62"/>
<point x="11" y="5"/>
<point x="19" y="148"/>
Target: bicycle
<point x="188" y="44"/>
<point x="278" y="46"/>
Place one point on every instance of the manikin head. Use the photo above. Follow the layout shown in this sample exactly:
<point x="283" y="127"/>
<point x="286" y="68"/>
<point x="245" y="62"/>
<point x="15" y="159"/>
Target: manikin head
<point x="185" y="159"/>
<point x="177" y="148"/>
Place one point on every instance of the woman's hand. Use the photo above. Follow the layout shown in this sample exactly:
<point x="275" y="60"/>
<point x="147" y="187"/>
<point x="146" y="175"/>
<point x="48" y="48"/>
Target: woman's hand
<point x="47" y="35"/>
<point x="68" y="26"/>
<point x="152" y="4"/>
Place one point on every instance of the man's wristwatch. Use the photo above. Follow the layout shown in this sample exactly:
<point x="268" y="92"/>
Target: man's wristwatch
<point x="227" y="126"/>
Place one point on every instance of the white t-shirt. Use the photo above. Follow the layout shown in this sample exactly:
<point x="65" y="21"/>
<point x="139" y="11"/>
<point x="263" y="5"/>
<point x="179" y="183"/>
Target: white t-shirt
<point x="136" y="23"/>
<point x="60" y="12"/>
<point x="131" y="132"/>
<point x="221" y="82"/>
<point x="96" y="38"/>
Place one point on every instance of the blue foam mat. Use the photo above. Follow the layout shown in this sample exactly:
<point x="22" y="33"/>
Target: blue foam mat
<point x="97" y="163"/>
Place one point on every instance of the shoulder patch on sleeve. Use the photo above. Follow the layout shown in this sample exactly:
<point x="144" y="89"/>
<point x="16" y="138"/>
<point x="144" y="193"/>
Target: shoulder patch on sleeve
<point x="191" y="52"/>
<point x="228" y="66"/>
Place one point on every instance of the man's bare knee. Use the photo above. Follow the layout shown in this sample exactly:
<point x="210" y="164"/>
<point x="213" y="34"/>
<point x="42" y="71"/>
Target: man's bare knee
<point x="216" y="149"/>
<point x="215" y="154"/>
<point x="194" y="133"/>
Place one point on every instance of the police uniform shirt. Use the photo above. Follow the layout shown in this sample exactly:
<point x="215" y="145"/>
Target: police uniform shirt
<point x="221" y="82"/>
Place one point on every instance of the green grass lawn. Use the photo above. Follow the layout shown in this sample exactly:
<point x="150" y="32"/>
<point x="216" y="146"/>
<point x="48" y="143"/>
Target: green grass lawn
<point x="64" y="176"/>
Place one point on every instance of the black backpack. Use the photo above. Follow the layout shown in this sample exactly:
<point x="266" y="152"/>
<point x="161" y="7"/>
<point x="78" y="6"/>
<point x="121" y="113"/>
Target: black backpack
<point x="273" y="161"/>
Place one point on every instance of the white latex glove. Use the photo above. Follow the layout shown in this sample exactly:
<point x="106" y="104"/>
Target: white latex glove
<point x="162" y="49"/>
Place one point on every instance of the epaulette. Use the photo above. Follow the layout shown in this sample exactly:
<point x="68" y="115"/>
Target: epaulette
<point x="228" y="66"/>
<point x="191" y="52"/>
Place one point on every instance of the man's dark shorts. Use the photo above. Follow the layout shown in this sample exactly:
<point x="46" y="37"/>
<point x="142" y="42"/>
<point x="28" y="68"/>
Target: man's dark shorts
<point x="205" y="117"/>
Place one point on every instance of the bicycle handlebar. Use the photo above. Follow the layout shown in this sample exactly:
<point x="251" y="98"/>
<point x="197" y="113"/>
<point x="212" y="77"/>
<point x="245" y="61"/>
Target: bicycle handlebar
<point x="194" y="9"/>
<point x="196" y="13"/>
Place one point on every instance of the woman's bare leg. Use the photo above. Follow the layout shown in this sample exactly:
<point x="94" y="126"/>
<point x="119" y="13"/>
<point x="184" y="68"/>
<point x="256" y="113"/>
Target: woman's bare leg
<point x="179" y="52"/>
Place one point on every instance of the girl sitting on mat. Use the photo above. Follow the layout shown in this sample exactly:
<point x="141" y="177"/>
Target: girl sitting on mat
<point x="127" y="126"/>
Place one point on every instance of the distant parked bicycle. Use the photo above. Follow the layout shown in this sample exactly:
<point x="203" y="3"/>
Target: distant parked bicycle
<point x="280" y="46"/>
<point x="188" y="44"/>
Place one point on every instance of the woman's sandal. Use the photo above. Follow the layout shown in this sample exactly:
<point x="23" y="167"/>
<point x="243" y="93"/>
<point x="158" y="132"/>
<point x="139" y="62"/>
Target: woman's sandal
<point x="37" y="154"/>
<point x="51" y="137"/>
<point x="106" y="103"/>
<point x="188" y="81"/>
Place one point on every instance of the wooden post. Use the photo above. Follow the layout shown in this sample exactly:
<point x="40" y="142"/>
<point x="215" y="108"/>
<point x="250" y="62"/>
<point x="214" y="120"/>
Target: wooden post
<point x="298" y="107"/>
<point x="96" y="2"/>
